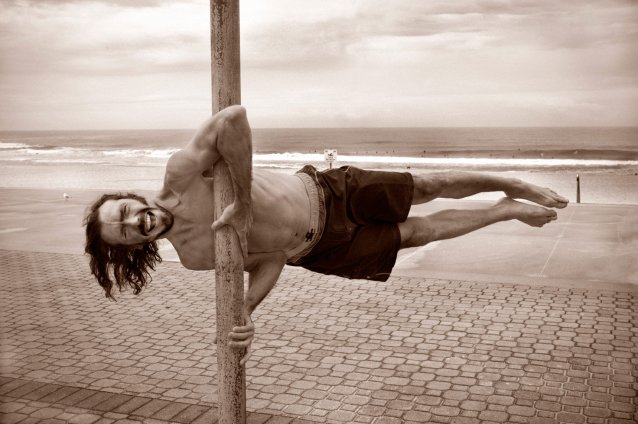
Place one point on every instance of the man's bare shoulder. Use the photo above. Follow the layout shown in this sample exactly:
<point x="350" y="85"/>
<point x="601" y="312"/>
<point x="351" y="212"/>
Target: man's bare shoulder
<point x="181" y="169"/>
<point x="181" y="162"/>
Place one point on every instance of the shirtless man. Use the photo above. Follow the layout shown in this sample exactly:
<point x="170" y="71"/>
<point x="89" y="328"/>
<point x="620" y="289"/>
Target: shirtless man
<point x="346" y="221"/>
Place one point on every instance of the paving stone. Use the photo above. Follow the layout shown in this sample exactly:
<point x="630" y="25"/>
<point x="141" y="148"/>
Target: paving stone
<point x="417" y="416"/>
<point x="131" y="405"/>
<point x="169" y="411"/>
<point x="524" y="411"/>
<point x="13" y="417"/>
<point x="93" y="400"/>
<point x="547" y="406"/>
<point x="11" y="385"/>
<point x="297" y="409"/>
<point x="388" y="420"/>
<point x="373" y="411"/>
<point x="623" y="392"/>
<point x="46" y="413"/>
<point x="279" y="420"/>
<point x="622" y="407"/>
<point x="481" y="390"/>
<point x="597" y="412"/>
<point x="8" y="406"/>
<point x="447" y="411"/>
<point x="77" y="397"/>
<point x="112" y="402"/>
<point x="190" y="413"/>
<point x="501" y="400"/>
<point x="257" y="418"/>
<point x="41" y="392"/>
<point x="83" y="418"/>
<point x="495" y="416"/>
<point x="24" y="389"/>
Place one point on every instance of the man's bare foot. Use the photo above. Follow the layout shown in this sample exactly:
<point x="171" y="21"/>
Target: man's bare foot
<point x="541" y="195"/>
<point x="534" y="216"/>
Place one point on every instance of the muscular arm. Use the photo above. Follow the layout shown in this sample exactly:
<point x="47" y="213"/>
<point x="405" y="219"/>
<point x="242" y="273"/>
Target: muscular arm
<point x="234" y="143"/>
<point x="264" y="270"/>
<point x="226" y="135"/>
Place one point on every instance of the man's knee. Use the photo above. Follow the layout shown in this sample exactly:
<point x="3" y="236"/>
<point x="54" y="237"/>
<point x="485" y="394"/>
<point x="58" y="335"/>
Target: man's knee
<point x="416" y="231"/>
<point x="427" y="187"/>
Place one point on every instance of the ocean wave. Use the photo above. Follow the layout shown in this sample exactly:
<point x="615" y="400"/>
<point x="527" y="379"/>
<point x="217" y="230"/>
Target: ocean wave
<point x="35" y="149"/>
<point x="149" y="153"/>
<point x="437" y="161"/>
<point x="158" y="157"/>
<point x="13" y="146"/>
<point x="26" y="152"/>
<point x="69" y="161"/>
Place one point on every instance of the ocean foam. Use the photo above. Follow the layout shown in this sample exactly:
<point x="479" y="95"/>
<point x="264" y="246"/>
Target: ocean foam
<point x="132" y="153"/>
<point x="158" y="157"/>
<point x="456" y="161"/>
<point x="13" y="146"/>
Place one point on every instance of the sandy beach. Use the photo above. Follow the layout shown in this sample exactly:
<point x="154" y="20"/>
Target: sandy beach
<point x="607" y="186"/>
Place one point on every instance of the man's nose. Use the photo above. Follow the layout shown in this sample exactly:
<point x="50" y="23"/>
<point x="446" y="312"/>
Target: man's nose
<point x="132" y="220"/>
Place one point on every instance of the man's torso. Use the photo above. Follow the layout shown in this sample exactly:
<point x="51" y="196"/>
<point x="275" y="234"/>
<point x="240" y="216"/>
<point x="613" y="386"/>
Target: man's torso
<point x="280" y="208"/>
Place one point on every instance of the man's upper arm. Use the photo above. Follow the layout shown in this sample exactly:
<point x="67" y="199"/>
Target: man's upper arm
<point x="201" y="153"/>
<point x="197" y="157"/>
<point x="257" y="261"/>
<point x="264" y="270"/>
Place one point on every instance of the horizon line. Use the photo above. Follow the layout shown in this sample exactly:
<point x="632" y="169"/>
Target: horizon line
<point x="336" y="128"/>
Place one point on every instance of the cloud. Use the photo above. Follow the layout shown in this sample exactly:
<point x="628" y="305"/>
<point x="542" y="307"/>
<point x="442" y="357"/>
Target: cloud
<point x="100" y="38"/>
<point x="545" y="24"/>
<point x="121" y="3"/>
<point x="298" y="45"/>
<point x="409" y="33"/>
<point x="403" y="62"/>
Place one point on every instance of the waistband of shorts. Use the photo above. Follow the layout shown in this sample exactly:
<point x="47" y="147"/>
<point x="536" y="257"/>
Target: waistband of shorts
<point x="317" y="217"/>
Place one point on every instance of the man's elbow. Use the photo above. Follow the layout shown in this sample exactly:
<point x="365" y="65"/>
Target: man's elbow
<point x="230" y="115"/>
<point x="232" y="124"/>
<point x="250" y="303"/>
<point x="234" y="114"/>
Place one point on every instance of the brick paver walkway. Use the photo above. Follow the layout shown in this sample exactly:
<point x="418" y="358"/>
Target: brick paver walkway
<point x="410" y="350"/>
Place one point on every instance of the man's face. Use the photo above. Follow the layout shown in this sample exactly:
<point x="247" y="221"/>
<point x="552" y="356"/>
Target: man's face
<point x="129" y="222"/>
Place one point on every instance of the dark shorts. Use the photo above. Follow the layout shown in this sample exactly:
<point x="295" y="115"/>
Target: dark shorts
<point x="360" y="237"/>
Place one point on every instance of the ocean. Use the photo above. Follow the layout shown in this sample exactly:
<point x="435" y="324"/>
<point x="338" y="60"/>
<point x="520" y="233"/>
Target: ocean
<point x="606" y="158"/>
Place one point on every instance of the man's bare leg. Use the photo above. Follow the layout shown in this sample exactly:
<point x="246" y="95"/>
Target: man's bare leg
<point x="457" y="185"/>
<point x="418" y="231"/>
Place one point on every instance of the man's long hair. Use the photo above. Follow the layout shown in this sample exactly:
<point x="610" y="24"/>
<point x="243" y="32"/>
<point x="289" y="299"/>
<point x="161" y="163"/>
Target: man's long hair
<point x="129" y="265"/>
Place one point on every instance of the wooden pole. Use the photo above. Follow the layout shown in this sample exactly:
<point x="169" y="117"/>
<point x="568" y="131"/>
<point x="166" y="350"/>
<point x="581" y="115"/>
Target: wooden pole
<point x="229" y="267"/>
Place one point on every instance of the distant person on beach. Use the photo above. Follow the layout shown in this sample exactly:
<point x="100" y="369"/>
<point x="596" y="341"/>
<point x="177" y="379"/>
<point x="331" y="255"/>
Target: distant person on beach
<point x="347" y="222"/>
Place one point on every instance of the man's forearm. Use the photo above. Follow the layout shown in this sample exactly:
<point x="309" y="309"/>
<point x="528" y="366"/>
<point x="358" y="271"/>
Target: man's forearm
<point x="234" y="143"/>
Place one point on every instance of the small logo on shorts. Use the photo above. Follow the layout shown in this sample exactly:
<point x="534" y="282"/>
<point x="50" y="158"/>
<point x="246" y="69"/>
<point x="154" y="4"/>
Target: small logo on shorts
<point x="309" y="235"/>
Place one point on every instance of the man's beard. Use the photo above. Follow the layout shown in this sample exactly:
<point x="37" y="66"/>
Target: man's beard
<point x="169" y="221"/>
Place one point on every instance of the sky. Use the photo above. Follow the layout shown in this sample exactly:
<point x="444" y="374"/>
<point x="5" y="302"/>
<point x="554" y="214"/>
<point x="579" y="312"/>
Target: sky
<point x="129" y="64"/>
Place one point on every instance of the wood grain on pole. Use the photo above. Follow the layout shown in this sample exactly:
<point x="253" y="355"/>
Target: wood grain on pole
<point x="229" y="267"/>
